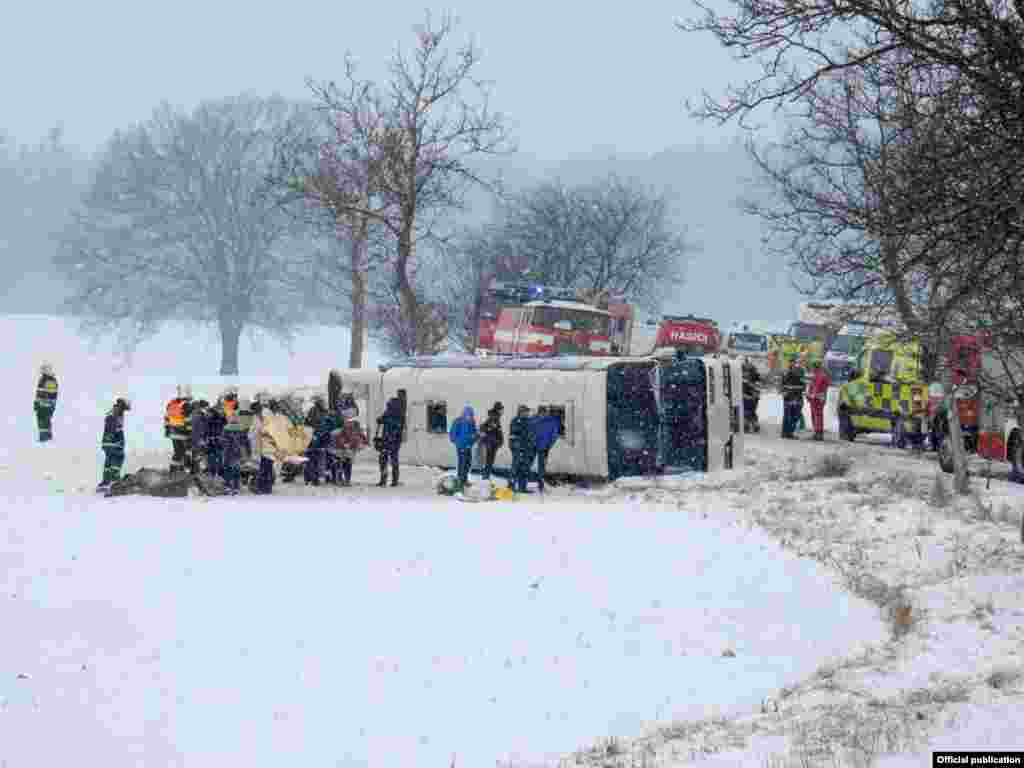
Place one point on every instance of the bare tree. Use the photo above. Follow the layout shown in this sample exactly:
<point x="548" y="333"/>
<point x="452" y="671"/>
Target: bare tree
<point x="465" y="272"/>
<point x="611" y="235"/>
<point x="419" y="137"/>
<point x="178" y="225"/>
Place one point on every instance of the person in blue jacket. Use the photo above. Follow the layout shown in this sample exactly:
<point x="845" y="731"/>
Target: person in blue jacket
<point x="545" y="430"/>
<point x="464" y="434"/>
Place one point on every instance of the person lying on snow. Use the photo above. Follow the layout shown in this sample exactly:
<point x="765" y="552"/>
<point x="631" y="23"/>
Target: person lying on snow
<point x="464" y="434"/>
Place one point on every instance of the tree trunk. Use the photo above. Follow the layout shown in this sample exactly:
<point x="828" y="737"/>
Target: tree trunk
<point x="230" y="333"/>
<point x="956" y="438"/>
<point x="406" y="294"/>
<point x="357" y="348"/>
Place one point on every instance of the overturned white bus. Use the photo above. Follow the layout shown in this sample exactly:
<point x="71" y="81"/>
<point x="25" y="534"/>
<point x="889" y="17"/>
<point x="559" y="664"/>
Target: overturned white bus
<point x="619" y="416"/>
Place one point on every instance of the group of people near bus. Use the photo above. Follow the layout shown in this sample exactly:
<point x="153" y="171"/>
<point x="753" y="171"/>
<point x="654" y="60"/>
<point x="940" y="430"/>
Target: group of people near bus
<point x="530" y="439"/>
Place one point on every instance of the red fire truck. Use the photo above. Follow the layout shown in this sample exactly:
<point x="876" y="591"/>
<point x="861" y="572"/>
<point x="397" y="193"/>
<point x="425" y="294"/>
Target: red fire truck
<point x="534" y="319"/>
<point x="695" y="335"/>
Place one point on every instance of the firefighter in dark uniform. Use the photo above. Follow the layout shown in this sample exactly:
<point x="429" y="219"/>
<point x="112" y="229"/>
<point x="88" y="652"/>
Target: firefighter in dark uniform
<point x="113" y="443"/>
<point x="751" y="396"/>
<point x="216" y="420"/>
<point x="177" y="426"/>
<point x="46" y="402"/>
<point x="793" y="386"/>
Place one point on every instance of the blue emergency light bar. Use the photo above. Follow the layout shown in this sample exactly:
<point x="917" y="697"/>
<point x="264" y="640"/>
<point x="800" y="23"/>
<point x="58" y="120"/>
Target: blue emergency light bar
<point x="524" y="292"/>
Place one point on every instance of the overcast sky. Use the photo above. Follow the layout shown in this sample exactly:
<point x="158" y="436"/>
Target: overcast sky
<point x="570" y="76"/>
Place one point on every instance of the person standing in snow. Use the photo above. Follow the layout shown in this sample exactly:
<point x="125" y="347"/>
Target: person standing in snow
<point x="522" y="443"/>
<point x="234" y="437"/>
<point x="215" y="423"/>
<point x="390" y="428"/>
<point x="261" y="448"/>
<point x="751" y="396"/>
<point x="545" y="431"/>
<point x="346" y="442"/>
<point x="792" y="399"/>
<point x="491" y="438"/>
<point x="200" y="435"/>
<point x="177" y="426"/>
<point x="113" y="443"/>
<point x="45" y="403"/>
<point x="816" y="395"/>
<point x="463" y="434"/>
<point x="320" y="461"/>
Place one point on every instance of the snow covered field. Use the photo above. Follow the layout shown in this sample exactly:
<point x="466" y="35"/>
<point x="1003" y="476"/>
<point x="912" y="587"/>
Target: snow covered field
<point x="730" y="619"/>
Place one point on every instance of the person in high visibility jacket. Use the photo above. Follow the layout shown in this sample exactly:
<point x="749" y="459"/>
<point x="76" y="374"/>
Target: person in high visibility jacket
<point x="113" y="443"/>
<point x="178" y="427"/>
<point x="45" y="402"/>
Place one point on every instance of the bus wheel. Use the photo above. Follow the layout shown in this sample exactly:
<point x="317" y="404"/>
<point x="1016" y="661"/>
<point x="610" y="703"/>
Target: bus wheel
<point x="946" y="455"/>
<point x="846" y="430"/>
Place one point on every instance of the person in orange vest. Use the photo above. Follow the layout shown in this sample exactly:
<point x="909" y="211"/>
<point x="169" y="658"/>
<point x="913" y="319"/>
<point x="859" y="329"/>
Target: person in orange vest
<point x="46" y="402"/>
<point x="816" y="395"/>
<point x="177" y="426"/>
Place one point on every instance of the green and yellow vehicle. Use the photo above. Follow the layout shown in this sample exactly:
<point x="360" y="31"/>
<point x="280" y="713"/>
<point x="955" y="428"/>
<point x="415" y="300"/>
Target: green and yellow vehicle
<point x="886" y="392"/>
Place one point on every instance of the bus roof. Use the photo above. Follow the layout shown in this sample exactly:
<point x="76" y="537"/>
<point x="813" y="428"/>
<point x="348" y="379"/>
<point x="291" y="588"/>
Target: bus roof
<point x="509" y="362"/>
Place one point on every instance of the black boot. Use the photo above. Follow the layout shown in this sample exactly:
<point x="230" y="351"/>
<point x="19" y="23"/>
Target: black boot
<point x="383" y="480"/>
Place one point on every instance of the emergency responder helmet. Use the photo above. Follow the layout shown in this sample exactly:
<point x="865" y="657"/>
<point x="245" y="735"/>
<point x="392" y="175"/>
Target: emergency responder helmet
<point x="46" y="368"/>
<point x="123" y="403"/>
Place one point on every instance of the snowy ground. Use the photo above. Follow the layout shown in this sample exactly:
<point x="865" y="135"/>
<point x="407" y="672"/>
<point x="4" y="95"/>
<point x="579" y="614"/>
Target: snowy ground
<point x="393" y="627"/>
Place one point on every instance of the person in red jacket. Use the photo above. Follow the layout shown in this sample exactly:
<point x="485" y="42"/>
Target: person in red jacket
<point x="816" y="395"/>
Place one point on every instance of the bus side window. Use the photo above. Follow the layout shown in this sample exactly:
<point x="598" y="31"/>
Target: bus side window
<point x="437" y="417"/>
<point x="559" y="411"/>
<point x="711" y="385"/>
<point x="727" y="381"/>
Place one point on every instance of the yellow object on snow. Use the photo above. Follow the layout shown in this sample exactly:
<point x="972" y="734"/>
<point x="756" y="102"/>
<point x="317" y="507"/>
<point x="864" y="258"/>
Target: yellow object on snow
<point x="280" y="439"/>
<point x="504" y="494"/>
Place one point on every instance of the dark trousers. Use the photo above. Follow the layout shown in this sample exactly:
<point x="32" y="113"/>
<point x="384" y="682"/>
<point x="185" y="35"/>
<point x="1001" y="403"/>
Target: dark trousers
<point x="542" y="467"/>
<point x="750" y="414"/>
<point x="312" y="469"/>
<point x="265" y="478"/>
<point x="233" y="475"/>
<point x="112" y="465"/>
<point x="44" y="420"/>
<point x="792" y="410"/>
<point x="214" y="459"/>
<point x="345" y="467"/>
<point x="389" y="457"/>
<point x="490" y="451"/>
<point x="464" y="457"/>
<point x="521" y="463"/>
<point x="179" y="459"/>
